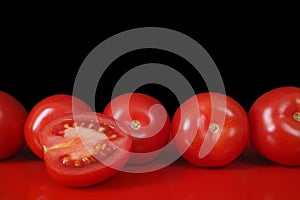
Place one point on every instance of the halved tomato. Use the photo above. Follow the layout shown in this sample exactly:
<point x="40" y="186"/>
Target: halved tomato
<point x="46" y="110"/>
<point x="84" y="149"/>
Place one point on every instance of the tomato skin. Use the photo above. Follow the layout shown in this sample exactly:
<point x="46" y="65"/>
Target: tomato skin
<point x="275" y="133"/>
<point x="87" y="174"/>
<point x="46" y="110"/>
<point x="198" y="132"/>
<point x="80" y="181"/>
<point x="154" y="131"/>
<point x="12" y="118"/>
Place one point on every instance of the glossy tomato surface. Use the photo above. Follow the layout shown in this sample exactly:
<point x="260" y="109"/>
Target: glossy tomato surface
<point x="12" y="118"/>
<point x="210" y="129"/>
<point x="46" y="110"/>
<point x="148" y="123"/>
<point x="84" y="149"/>
<point x="275" y="125"/>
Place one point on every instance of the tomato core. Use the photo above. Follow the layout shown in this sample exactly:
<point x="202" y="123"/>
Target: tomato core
<point x="297" y="116"/>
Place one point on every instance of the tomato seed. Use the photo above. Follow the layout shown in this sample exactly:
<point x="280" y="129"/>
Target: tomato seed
<point x="103" y="146"/>
<point x="91" y="125"/>
<point x="98" y="146"/>
<point x="66" y="126"/>
<point x="66" y="160"/>
<point x="86" y="160"/>
<point x="77" y="163"/>
<point x="113" y="136"/>
<point x="101" y="129"/>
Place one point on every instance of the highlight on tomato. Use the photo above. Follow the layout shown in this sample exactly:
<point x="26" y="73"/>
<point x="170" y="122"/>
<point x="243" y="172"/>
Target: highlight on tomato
<point x="275" y="125"/>
<point x="210" y="129"/>
<point x="84" y="149"/>
<point x="46" y="110"/>
<point x="12" y="118"/>
<point x="147" y="121"/>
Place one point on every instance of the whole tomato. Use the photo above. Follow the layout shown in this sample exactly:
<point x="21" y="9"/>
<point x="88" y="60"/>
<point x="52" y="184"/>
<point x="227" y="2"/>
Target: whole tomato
<point x="210" y="129"/>
<point x="12" y="118"/>
<point x="46" y="110"/>
<point x="147" y="122"/>
<point x="275" y="125"/>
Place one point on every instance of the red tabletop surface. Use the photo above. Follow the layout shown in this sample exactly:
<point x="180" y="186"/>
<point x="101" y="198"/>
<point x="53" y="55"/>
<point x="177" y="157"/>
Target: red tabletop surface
<point x="24" y="176"/>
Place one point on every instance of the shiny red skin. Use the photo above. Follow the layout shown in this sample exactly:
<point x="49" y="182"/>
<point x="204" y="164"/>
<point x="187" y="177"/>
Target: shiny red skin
<point x="46" y="110"/>
<point x="89" y="174"/>
<point x="12" y="118"/>
<point x="155" y="125"/>
<point x="190" y="128"/>
<point x="275" y="133"/>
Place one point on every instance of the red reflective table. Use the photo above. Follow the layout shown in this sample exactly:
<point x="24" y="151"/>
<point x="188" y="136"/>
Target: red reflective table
<point x="249" y="177"/>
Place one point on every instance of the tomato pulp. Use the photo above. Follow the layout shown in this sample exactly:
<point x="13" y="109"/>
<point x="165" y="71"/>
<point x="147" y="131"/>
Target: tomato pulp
<point x="275" y="125"/>
<point x="210" y="130"/>
<point x="148" y="123"/>
<point x="12" y="118"/>
<point x="46" y="110"/>
<point x="84" y="149"/>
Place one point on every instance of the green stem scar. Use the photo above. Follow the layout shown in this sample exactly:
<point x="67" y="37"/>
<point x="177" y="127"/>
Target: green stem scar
<point x="297" y="116"/>
<point x="213" y="127"/>
<point x="135" y="125"/>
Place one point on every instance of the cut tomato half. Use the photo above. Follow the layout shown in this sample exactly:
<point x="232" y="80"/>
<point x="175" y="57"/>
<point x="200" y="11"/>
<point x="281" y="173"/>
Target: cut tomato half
<point x="84" y="149"/>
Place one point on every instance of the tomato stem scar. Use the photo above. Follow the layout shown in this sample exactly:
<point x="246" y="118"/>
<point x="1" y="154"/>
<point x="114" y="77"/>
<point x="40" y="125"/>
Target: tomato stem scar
<point x="213" y="127"/>
<point x="135" y="125"/>
<point x="297" y="116"/>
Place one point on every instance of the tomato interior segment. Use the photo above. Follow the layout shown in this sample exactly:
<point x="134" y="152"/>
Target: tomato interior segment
<point x="84" y="149"/>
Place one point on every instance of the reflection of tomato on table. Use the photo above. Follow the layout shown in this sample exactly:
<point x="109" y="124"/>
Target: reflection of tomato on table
<point x="249" y="177"/>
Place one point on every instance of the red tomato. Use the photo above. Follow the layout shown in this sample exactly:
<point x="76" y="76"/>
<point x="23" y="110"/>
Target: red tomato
<point x="275" y="125"/>
<point x="44" y="111"/>
<point x="84" y="149"/>
<point x="210" y="130"/>
<point x="12" y="119"/>
<point x="148" y="122"/>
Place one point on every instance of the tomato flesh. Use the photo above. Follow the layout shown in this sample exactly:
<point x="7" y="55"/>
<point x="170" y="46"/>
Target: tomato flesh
<point x="84" y="149"/>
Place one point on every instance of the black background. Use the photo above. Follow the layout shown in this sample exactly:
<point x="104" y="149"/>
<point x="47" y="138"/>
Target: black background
<point x="41" y="55"/>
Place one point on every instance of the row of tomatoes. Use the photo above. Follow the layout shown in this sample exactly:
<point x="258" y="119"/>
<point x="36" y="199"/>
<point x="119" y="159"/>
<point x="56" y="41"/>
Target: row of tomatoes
<point x="81" y="147"/>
